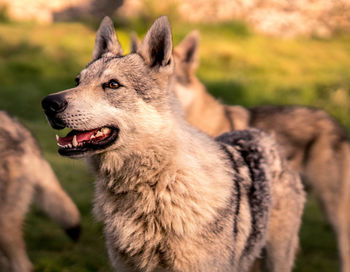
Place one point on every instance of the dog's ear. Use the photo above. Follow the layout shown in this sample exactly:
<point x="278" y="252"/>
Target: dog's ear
<point x="134" y="42"/>
<point x="156" y="47"/>
<point x="187" y="50"/>
<point x="106" y="40"/>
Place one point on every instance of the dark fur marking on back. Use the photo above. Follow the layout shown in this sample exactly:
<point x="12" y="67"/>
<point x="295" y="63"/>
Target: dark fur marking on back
<point x="246" y="142"/>
<point x="234" y="197"/>
<point x="237" y="187"/>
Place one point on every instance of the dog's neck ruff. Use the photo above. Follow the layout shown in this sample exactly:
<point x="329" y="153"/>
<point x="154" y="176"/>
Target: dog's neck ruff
<point x="158" y="192"/>
<point x="126" y="172"/>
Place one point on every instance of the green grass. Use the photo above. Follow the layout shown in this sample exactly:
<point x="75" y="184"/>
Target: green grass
<point x="238" y="66"/>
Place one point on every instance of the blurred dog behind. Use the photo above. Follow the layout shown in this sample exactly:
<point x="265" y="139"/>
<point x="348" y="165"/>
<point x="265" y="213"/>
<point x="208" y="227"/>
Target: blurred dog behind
<point x="171" y="198"/>
<point x="26" y="175"/>
<point x="314" y="143"/>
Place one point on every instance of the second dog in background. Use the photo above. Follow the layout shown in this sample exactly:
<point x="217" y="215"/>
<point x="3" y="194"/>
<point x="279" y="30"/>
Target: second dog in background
<point x="314" y="143"/>
<point x="25" y="176"/>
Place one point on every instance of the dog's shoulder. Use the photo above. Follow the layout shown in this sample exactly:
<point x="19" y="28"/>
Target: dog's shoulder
<point x="251" y="144"/>
<point x="248" y="152"/>
<point x="251" y="149"/>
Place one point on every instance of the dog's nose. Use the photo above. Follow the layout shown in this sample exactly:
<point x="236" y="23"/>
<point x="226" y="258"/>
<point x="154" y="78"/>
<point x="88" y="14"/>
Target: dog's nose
<point x="54" y="103"/>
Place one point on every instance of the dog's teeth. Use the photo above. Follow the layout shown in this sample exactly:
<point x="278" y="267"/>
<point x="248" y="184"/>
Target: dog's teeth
<point x="57" y="137"/>
<point x="92" y="137"/>
<point x="105" y="130"/>
<point x="98" y="134"/>
<point x="60" y="145"/>
<point x="69" y="145"/>
<point x="74" y="141"/>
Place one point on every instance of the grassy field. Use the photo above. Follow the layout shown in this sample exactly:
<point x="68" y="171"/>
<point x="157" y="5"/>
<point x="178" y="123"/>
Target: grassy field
<point x="237" y="65"/>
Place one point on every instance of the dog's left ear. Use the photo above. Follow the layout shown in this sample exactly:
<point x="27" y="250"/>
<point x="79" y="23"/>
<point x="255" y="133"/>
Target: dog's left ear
<point x="134" y="42"/>
<point x="106" y="40"/>
<point x="156" y="47"/>
<point x="187" y="51"/>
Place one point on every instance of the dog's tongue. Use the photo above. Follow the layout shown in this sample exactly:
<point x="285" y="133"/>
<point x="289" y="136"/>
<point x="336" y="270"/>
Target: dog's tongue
<point x="81" y="136"/>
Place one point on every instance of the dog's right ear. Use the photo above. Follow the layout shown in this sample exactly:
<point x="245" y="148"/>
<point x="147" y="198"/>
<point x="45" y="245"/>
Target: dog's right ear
<point x="156" y="47"/>
<point x="187" y="50"/>
<point x="106" y="40"/>
<point x="134" y="42"/>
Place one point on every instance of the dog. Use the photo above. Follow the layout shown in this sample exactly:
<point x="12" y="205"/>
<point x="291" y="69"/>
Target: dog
<point x="172" y="198"/>
<point x="313" y="142"/>
<point x="24" y="175"/>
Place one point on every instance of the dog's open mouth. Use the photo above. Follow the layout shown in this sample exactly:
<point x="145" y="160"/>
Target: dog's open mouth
<point x="77" y="142"/>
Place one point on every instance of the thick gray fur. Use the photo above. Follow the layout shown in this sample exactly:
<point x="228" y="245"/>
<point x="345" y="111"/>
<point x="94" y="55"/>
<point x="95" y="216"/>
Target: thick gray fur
<point x="171" y="198"/>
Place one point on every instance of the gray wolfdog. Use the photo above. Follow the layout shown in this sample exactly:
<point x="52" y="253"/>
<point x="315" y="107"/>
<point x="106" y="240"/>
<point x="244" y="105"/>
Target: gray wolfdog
<point x="314" y="143"/>
<point x="25" y="174"/>
<point x="171" y="198"/>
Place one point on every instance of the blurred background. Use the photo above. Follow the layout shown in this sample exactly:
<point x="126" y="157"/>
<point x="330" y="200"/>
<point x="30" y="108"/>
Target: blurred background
<point x="252" y="53"/>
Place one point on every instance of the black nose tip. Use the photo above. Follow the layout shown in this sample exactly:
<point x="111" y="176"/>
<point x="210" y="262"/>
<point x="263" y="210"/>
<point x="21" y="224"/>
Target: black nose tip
<point x="54" y="103"/>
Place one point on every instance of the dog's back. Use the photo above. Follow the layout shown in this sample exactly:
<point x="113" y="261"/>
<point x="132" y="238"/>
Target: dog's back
<point x="247" y="157"/>
<point x="275" y="197"/>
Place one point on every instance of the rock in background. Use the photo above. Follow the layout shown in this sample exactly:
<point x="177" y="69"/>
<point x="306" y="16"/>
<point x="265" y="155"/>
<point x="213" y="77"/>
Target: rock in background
<point x="286" y="18"/>
<point x="48" y="11"/>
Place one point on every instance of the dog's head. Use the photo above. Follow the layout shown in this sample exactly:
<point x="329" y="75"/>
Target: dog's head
<point x="118" y="100"/>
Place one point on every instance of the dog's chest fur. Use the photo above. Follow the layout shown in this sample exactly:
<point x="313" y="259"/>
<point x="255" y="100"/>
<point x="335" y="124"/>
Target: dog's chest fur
<point x="160" y="213"/>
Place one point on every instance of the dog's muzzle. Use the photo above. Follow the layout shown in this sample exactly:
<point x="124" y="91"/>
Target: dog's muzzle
<point x="54" y="104"/>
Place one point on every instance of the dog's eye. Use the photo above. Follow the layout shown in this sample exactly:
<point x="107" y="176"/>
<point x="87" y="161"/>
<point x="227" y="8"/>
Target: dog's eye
<point x="112" y="84"/>
<point x="77" y="81"/>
